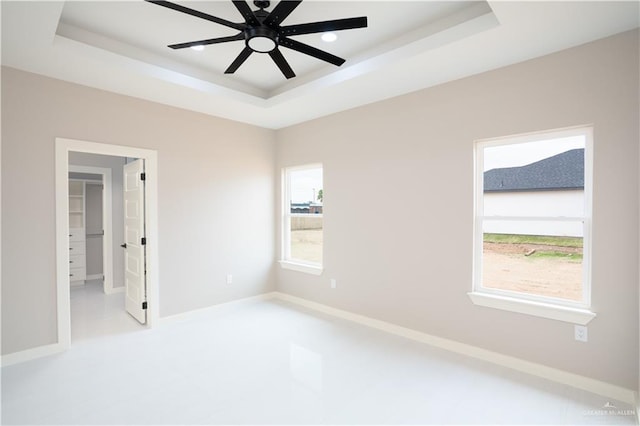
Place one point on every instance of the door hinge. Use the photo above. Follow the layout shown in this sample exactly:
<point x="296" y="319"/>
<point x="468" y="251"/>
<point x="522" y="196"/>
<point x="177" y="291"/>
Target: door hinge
<point x="143" y="176"/>
<point x="144" y="241"/>
<point x="144" y="305"/>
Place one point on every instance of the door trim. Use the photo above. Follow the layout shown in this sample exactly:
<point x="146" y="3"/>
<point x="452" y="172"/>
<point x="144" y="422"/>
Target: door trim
<point x="107" y="223"/>
<point x="62" y="148"/>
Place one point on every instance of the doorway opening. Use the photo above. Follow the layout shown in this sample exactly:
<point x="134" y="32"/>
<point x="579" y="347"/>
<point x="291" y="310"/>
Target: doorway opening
<point x="93" y="218"/>
<point x="96" y="267"/>
<point x="139" y="268"/>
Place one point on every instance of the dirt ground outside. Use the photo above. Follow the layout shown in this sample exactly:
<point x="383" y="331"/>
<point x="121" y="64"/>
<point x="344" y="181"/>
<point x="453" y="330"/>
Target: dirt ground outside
<point x="306" y="244"/>
<point x="507" y="267"/>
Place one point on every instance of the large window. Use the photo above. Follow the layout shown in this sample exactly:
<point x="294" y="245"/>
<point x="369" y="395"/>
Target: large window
<point x="532" y="224"/>
<point x="302" y="218"/>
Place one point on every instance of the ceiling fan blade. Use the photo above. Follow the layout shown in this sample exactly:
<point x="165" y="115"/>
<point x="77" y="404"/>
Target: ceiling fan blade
<point x="311" y="51"/>
<point x="246" y="12"/>
<point x="198" y="14"/>
<point x="239" y="60"/>
<point x="280" y="12"/>
<point x="282" y="63"/>
<point x="324" y="26"/>
<point x="207" y="41"/>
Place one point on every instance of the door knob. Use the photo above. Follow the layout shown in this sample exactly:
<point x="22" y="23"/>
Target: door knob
<point x="123" y="245"/>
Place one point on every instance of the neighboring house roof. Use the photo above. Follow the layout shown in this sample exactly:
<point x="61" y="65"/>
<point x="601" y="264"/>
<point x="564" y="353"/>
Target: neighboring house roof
<point x="562" y="171"/>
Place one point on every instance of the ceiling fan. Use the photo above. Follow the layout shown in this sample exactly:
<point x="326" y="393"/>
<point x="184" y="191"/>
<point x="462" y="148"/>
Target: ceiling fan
<point x="262" y="32"/>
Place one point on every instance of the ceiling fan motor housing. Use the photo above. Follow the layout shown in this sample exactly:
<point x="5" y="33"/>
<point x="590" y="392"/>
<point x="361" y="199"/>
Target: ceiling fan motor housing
<point x="262" y="4"/>
<point x="261" y="39"/>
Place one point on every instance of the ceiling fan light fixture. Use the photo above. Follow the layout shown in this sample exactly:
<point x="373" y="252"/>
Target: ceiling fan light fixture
<point x="261" y="39"/>
<point x="329" y="37"/>
<point x="261" y="44"/>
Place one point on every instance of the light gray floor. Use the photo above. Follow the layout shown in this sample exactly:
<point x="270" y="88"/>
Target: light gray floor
<point x="272" y="363"/>
<point x="94" y="314"/>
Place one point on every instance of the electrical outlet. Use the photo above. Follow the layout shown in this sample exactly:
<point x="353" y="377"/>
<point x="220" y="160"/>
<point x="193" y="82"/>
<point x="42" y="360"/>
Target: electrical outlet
<point x="333" y="283"/>
<point x="581" y="334"/>
<point x="229" y="279"/>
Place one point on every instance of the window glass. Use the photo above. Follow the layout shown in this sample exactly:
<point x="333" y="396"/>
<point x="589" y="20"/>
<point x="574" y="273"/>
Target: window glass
<point x="304" y="215"/>
<point x="532" y="219"/>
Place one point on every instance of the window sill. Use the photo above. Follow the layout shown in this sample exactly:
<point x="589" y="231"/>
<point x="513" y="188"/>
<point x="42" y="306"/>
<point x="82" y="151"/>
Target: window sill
<point x="538" y="309"/>
<point x="301" y="267"/>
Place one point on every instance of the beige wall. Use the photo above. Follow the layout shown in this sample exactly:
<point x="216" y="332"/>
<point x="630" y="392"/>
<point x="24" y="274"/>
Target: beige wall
<point x="216" y="198"/>
<point x="390" y="165"/>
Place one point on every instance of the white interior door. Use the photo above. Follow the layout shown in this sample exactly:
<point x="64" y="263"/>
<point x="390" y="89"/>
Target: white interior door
<point x="134" y="238"/>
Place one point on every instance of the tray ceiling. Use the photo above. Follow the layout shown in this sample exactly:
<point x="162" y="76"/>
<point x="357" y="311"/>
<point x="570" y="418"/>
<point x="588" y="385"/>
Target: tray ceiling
<point x="121" y="46"/>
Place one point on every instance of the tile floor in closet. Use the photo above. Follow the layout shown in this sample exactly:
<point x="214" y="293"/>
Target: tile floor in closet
<point x="270" y="362"/>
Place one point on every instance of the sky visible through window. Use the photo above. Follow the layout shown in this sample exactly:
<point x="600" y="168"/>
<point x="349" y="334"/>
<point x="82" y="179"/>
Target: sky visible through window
<point x="521" y="154"/>
<point x="305" y="185"/>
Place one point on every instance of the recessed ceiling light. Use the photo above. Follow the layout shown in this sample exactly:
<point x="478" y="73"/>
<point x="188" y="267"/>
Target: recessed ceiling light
<point x="329" y="37"/>
<point x="198" y="47"/>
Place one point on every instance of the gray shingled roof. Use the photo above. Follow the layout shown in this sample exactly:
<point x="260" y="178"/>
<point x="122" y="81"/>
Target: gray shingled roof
<point x="562" y="171"/>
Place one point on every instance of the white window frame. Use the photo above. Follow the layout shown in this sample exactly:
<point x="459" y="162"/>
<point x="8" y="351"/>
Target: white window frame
<point x="287" y="262"/>
<point x="577" y="312"/>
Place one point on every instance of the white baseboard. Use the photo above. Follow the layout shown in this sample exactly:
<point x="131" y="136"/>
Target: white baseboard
<point x="29" y="354"/>
<point x="94" y="277"/>
<point x="113" y="290"/>
<point x="190" y="314"/>
<point x="581" y="382"/>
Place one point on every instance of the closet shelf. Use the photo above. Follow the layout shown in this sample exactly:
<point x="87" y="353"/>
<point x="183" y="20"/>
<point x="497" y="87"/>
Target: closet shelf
<point x="77" y="237"/>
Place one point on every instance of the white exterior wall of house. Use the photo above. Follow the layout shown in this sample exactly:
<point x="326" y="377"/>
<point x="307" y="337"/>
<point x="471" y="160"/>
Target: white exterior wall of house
<point x="567" y="203"/>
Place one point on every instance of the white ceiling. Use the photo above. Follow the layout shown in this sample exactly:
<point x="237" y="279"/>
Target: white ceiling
<point x="120" y="46"/>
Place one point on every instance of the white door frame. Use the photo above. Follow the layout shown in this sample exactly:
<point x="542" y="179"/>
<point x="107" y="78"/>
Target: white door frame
<point x="107" y="223"/>
<point x="62" y="148"/>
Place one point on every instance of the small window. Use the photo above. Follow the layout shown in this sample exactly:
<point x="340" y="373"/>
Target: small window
<point x="303" y="218"/>
<point x="533" y="221"/>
